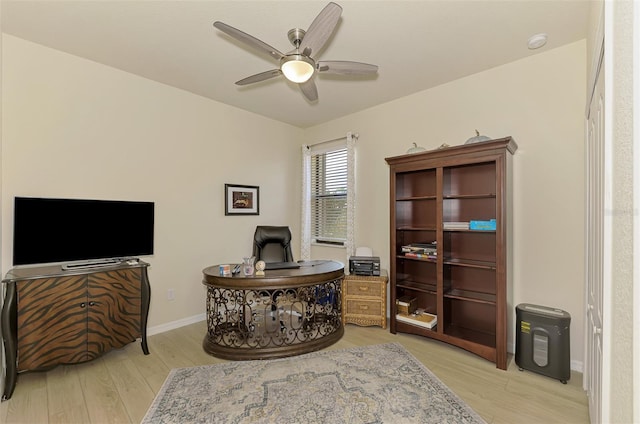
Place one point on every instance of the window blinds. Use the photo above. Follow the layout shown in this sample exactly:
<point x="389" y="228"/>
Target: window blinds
<point x="329" y="197"/>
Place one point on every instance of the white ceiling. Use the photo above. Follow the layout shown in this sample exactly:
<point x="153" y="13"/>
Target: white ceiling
<point x="416" y="44"/>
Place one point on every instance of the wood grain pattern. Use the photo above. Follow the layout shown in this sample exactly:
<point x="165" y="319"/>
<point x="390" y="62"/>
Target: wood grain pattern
<point x="52" y="323"/>
<point x="114" y="310"/>
<point x="101" y="386"/>
<point x="73" y="319"/>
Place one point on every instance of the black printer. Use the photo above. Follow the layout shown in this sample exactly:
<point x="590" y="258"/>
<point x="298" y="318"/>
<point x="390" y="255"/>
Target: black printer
<point x="364" y="265"/>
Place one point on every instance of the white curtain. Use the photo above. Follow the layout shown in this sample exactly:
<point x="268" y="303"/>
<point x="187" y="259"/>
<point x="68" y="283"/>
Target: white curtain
<point x="351" y="192"/>
<point x="305" y="238"/>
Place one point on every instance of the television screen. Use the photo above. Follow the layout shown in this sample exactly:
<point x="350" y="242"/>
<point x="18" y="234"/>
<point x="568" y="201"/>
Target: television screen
<point x="66" y="230"/>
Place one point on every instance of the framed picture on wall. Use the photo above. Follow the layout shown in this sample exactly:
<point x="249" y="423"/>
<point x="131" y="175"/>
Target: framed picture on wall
<point x="241" y="199"/>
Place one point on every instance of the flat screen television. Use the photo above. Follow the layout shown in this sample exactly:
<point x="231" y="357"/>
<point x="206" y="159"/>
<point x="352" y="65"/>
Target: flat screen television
<point x="67" y="230"/>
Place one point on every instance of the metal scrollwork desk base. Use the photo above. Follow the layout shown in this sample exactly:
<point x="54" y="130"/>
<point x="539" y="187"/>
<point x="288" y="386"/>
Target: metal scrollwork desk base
<point x="284" y="313"/>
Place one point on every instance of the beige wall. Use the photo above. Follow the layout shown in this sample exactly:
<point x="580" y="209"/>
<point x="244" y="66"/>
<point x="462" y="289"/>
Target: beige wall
<point x="143" y="140"/>
<point x="595" y="30"/>
<point x="540" y="102"/>
<point x="75" y="128"/>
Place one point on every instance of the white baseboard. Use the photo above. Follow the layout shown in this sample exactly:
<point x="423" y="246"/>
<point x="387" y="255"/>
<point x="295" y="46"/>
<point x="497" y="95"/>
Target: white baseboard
<point x="157" y="329"/>
<point x="577" y="366"/>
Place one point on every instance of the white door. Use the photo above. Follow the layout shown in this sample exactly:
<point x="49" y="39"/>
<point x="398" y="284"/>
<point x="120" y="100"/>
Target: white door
<point x="594" y="253"/>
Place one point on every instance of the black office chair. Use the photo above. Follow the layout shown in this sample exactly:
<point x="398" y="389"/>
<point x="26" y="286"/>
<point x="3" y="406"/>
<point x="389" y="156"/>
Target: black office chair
<point x="272" y="244"/>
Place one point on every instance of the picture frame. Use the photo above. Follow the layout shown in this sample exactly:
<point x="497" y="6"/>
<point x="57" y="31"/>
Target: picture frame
<point x="241" y="199"/>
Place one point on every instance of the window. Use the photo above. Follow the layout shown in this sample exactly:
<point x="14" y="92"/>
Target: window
<point x="329" y="197"/>
<point x="328" y="194"/>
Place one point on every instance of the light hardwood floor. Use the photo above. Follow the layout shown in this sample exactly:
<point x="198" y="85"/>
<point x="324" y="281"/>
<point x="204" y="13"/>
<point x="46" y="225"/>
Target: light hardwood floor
<point x="120" y="386"/>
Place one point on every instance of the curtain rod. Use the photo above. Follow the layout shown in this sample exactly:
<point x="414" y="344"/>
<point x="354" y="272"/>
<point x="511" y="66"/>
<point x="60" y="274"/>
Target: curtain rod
<point x="355" y="135"/>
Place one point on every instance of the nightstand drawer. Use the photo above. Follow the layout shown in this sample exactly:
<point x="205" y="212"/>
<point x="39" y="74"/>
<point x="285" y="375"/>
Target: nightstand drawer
<point x="365" y="288"/>
<point x="364" y="307"/>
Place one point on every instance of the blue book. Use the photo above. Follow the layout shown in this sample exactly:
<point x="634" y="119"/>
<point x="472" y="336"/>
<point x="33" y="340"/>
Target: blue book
<point x="483" y="225"/>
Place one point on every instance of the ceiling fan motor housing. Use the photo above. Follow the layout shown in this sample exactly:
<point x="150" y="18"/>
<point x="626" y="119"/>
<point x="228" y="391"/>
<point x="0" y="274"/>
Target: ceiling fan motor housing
<point x="295" y="36"/>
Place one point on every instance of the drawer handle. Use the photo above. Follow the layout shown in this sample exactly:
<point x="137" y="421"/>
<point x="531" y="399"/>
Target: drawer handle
<point x="364" y="307"/>
<point x="364" y="288"/>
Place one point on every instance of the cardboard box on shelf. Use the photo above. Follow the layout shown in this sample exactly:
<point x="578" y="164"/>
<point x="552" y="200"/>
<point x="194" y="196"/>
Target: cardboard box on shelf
<point x="406" y="304"/>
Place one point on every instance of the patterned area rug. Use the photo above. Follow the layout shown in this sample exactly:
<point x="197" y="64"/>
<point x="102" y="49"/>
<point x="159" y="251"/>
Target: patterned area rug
<point x="369" y="384"/>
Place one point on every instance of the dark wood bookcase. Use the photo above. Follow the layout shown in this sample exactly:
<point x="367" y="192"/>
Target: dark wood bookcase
<point x="467" y="286"/>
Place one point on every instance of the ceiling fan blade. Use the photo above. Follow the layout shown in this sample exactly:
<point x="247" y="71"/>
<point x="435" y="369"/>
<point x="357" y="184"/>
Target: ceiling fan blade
<point x="309" y="90"/>
<point x="320" y="29"/>
<point x="260" y="77"/>
<point x="249" y="40"/>
<point x="345" y="67"/>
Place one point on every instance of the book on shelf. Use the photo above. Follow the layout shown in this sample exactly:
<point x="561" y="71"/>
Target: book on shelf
<point x="419" y="247"/>
<point x="420" y="318"/>
<point x="430" y="245"/>
<point x="422" y="250"/>
<point x="456" y="225"/>
<point x="431" y="255"/>
<point x="407" y="249"/>
<point x="489" y="225"/>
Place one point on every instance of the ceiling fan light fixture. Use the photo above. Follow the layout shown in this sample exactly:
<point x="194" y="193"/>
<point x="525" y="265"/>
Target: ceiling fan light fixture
<point x="297" y="68"/>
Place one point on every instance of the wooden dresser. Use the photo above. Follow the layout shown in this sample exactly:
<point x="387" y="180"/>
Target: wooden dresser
<point x="52" y="316"/>
<point x="364" y="300"/>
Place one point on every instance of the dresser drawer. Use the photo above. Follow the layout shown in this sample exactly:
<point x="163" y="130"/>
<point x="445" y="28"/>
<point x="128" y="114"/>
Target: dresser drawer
<point x="364" y="299"/>
<point x="365" y="288"/>
<point x="364" y="307"/>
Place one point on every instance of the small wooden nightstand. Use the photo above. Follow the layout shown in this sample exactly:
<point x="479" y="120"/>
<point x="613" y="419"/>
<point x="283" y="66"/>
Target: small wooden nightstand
<point x="364" y="300"/>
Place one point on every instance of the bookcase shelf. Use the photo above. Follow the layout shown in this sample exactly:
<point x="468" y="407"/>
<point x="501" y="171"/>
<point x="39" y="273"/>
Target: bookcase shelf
<point x="471" y="296"/>
<point x="470" y="196"/>
<point x="467" y="284"/>
<point x="416" y="329"/>
<point x="474" y="336"/>
<point x="469" y="263"/>
<point x="422" y="287"/>
<point x="447" y="230"/>
<point x="409" y="258"/>
<point x="427" y="228"/>
<point x="408" y="199"/>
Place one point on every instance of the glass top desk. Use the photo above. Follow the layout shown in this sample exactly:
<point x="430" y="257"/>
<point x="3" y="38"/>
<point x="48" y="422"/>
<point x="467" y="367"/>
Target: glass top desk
<point x="285" y="312"/>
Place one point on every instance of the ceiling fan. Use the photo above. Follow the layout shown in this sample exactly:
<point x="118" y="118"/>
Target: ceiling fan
<point x="301" y="64"/>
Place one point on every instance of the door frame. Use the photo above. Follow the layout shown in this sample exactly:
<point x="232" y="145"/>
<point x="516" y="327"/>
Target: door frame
<point x="636" y="208"/>
<point x="601" y="63"/>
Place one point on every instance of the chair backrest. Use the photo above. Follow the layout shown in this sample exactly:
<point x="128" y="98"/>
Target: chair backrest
<point x="272" y="244"/>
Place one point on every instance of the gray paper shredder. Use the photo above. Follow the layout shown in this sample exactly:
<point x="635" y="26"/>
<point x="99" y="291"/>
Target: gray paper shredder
<point x="542" y="341"/>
